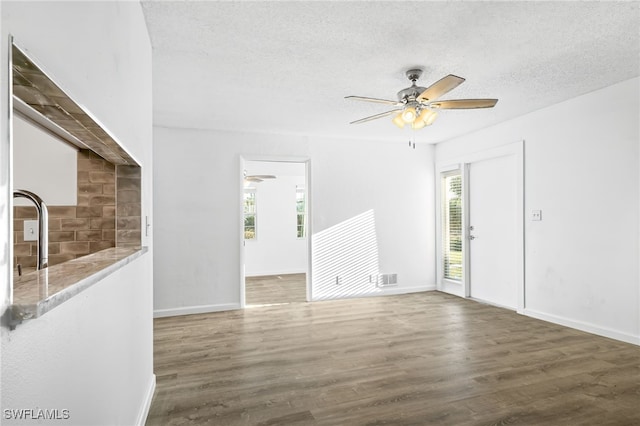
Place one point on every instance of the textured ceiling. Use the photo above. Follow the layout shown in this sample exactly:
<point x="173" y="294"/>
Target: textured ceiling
<point x="285" y="67"/>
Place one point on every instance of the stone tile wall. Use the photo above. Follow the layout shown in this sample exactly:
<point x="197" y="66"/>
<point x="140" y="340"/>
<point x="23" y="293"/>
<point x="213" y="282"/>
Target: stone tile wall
<point x="108" y="195"/>
<point x="129" y="208"/>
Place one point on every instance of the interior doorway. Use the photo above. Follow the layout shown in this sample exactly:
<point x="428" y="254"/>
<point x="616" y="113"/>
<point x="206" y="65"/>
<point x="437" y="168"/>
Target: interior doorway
<point x="275" y="232"/>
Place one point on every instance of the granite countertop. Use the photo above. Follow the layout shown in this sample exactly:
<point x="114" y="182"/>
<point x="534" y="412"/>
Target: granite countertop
<point x="36" y="293"/>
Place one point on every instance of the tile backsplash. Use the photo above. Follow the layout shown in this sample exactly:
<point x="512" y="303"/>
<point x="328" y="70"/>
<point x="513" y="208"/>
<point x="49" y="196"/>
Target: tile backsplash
<point x="107" y="214"/>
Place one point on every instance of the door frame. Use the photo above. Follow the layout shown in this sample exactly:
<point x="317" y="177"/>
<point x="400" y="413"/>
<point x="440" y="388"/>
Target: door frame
<point x="463" y="289"/>
<point x="308" y="200"/>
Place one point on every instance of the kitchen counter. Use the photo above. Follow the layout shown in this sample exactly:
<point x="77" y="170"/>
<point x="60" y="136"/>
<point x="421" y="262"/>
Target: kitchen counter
<point x="38" y="292"/>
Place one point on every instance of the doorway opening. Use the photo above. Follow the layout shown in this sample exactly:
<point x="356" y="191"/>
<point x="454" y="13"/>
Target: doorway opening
<point x="275" y="229"/>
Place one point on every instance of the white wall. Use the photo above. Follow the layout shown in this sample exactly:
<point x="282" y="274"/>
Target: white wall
<point x="93" y="354"/>
<point x="277" y="248"/>
<point x="198" y="180"/>
<point x="581" y="170"/>
<point x="43" y="165"/>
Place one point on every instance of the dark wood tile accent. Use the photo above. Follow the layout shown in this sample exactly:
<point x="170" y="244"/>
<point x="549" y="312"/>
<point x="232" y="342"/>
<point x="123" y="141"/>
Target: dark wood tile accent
<point x="91" y="235"/>
<point x="102" y="177"/>
<point x="128" y="211"/>
<point x="103" y="223"/>
<point x="54" y="248"/>
<point x="96" y="246"/>
<point x="22" y="249"/>
<point x="59" y="236"/>
<point x="126" y="238"/>
<point x="55" y="259"/>
<point x="25" y="212"/>
<point x="92" y="211"/>
<point x="74" y="224"/>
<point x="62" y="211"/>
<point x="90" y="188"/>
<point x="55" y="224"/>
<point x="74" y="247"/>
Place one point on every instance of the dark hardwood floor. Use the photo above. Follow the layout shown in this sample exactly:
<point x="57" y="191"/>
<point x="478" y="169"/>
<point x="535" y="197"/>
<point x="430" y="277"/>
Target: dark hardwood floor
<point x="417" y="359"/>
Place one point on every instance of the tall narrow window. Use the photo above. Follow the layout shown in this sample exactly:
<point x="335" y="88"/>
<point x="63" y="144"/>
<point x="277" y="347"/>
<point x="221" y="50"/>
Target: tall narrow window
<point x="250" y="214"/>
<point x="301" y="212"/>
<point x="452" y="225"/>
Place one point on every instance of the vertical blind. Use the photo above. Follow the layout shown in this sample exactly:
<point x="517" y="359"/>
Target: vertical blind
<point x="452" y="226"/>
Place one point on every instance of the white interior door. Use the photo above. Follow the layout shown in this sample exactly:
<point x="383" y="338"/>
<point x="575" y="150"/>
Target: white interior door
<point x="493" y="224"/>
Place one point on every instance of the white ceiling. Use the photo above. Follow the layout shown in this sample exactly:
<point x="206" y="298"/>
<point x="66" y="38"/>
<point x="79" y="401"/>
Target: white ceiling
<point x="285" y="67"/>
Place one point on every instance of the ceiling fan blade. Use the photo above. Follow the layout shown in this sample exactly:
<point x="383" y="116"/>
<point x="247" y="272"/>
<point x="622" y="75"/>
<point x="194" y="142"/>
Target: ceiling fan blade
<point x="464" y="104"/>
<point x="263" y="176"/>
<point x="440" y="87"/>
<point x="373" y="117"/>
<point x="253" y="179"/>
<point x="380" y="101"/>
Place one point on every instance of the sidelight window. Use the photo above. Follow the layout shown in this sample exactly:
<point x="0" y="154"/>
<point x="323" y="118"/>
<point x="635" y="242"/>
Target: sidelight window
<point x="301" y="212"/>
<point x="250" y="214"/>
<point x="452" y="225"/>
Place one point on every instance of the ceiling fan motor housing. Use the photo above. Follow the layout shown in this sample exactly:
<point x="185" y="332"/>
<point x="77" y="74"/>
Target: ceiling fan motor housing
<point x="410" y="93"/>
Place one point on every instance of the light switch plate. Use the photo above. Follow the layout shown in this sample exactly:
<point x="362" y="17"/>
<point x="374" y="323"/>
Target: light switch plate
<point x="536" y="215"/>
<point x="30" y="230"/>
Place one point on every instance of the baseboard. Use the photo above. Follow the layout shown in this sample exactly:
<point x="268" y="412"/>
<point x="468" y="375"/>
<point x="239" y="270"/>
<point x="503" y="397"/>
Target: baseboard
<point x="190" y="310"/>
<point x="278" y="272"/>
<point x="146" y="405"/>
<point x="405" y="290"/>
<point x="386" y="291"/>
<point x="583" y="326"/>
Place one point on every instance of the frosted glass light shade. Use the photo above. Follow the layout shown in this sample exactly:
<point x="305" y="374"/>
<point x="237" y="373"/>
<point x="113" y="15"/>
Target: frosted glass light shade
<point x="418" y="124"/>
<point x="409" y="115"/>
<point x="428" y="116"/>
<point x="398" y="121"/>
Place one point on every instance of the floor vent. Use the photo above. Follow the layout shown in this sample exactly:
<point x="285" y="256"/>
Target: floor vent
<point x="386" y="280"/>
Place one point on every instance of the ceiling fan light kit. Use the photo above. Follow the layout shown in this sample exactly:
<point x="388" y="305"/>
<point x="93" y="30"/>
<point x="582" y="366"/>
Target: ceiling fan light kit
<point x="416" y="105"/>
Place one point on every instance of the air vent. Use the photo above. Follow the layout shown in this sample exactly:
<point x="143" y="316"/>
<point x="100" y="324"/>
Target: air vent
<point x="386" y="280"/>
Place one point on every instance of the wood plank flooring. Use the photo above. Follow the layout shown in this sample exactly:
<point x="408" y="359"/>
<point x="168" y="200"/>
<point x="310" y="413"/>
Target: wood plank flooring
<point x="418" y="359"/>
<point x="275" y="289"/>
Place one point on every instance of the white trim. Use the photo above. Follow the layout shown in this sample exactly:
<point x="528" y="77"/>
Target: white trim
<point x="190" y="310"/>
<point x="389" y="291"/>
<point x="439" y="172"/>
<point x="448" y="168"/>
<point x="276" y="272"/>
<point x="146" y="404"/>
<point x="466" y="270"/>
<point x="584" y="326"/>
<point x="309" y="230"/>
<point x="243" y="242"/>
<point x="406" y="290"/>
<point x="308" y="225"/>
<point x="10" y="201"/>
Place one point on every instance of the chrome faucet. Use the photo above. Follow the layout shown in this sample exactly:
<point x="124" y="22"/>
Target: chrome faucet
<point x="43" y="225"/>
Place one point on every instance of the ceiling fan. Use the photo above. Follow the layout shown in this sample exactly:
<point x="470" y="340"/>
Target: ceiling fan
<point x="417" y="106"/>
<point x="257" y="178"/>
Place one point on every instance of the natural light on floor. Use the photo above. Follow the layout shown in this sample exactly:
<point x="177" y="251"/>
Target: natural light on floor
<point x="345" y="258"/>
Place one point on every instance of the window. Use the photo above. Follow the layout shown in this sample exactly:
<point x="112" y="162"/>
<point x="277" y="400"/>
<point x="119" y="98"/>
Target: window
<point x="250" y="214"/>
<point x="452" y="225"/>
<point x="301" y="212"/>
